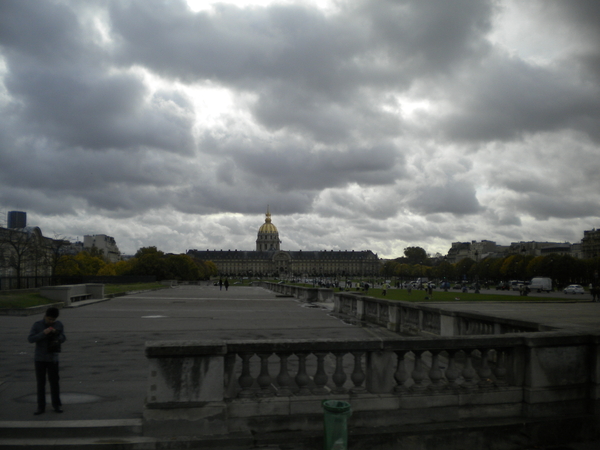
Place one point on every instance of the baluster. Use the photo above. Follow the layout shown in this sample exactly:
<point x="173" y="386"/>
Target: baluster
<point x="320" y="377"/>
<point x="284" y="380"/>
<point x="246" y="380"/>
<point x="452" y="372"/>
<point x="264" y="379"/>
<point x="468" y="372"/>
<point x="500" y="369"/>
<point x="401" y="375"/>
<point x="485" y="373"/>
<point x="419" y="373"/>
<point x="302" y="378"/>
<point x="435" y="374"/>
<point x="358" y="376"/>
<point x="339" y="377"/>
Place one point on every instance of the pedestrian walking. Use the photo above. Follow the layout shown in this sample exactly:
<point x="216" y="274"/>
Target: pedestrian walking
<point x="48" y="334"/>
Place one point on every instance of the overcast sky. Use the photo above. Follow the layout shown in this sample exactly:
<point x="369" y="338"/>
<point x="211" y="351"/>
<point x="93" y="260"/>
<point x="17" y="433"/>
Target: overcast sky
<point x="361" y="124"/>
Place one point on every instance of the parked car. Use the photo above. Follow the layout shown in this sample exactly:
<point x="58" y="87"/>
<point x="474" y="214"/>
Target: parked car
<point x="515" y="285"/>
<point x="574" y="289"/>
<point x="502" y="286"/>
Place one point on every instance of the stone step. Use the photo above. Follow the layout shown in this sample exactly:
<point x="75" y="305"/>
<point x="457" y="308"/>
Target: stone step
<point x="121" y="434"/>
<point x="133" y="443"/>
<point x="58" y="429"/>
<point x="80" y="443"/>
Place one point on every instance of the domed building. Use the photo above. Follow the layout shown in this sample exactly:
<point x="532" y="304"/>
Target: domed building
<point x="268" y="236"/>
<point x="269" y="260"/>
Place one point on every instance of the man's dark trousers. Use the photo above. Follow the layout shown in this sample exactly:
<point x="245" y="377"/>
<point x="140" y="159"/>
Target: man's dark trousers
<point x="41" y="368"/>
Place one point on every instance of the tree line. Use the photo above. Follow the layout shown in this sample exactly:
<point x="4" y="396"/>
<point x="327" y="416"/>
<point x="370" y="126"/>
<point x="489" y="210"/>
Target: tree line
<point x="562" y="269"/>
<point x="147" y="261"/>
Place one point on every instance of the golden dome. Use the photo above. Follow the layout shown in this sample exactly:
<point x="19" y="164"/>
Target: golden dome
<point x="268" y="227"/>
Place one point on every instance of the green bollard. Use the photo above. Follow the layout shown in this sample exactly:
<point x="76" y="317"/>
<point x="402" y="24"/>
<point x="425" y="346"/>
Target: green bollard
<point x="335" y="421"/>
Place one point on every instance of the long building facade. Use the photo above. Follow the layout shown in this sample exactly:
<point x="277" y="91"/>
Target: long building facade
<point x="269" y="260"/>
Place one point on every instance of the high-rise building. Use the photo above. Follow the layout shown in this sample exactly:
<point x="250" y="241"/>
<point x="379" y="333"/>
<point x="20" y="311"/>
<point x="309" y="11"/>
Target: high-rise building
<point x="17" y="219"/>
<point x="590" y="244"/>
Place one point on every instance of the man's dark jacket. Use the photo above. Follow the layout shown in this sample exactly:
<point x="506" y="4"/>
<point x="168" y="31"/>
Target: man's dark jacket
<point x="41" y="340"/>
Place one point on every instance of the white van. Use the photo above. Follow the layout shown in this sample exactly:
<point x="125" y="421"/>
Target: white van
<point x="541" y="284"/>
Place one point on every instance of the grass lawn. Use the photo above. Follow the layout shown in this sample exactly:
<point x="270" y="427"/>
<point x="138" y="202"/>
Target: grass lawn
<point x="453" y="295"/>
<point x="25" y="300"/>
<point x="120" y="288"/>
<point x="28" y="299"/>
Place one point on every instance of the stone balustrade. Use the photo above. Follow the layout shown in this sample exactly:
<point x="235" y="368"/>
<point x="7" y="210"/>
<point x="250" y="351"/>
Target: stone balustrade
<point x="304" y="294"/>
<point x="418" y="318"/>
<point x="224" y="387"/>
<point x="463" y="375"/>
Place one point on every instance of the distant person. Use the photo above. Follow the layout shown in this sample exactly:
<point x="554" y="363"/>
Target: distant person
<point x="595" y="291"/>
<point x="226" y="283"/>
<point x="220" y="284"/>
<point x="48" y="335"/>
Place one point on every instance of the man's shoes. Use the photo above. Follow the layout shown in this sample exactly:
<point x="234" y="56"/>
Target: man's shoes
<point x="58" y="409"/>
<point x="38" y="412"/>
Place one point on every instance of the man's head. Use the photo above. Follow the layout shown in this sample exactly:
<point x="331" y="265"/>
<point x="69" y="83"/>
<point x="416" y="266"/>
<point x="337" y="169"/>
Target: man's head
<point x="51" y="315"/>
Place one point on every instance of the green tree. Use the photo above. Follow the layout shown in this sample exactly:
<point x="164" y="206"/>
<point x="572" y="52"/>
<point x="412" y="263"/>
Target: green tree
<point x="152" y="262"/>
<point x="415" y="255"/>
<point x="81" y="264"/>
<point x="389" y="268"/>
<point x="535" y="267"/>
<point x="446" y="271"/>
<point x="182" y="267"/>
<point x="463" y="267"/>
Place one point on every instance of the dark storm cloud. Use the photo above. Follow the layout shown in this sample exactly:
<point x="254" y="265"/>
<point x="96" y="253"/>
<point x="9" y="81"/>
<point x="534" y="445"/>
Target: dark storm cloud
<point x="454" y="197"/>
<point x="543" y="207"/>
<point x="322" y="75"/>
<point x="60" y="81"/>
<point x="300" y="168"/>
<point x="509" y="97"/>
<point x="383" y="120"/>
<point x="100" y="111"/>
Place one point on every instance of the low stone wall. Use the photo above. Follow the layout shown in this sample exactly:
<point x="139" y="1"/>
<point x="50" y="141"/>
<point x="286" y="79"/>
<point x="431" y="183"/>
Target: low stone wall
<point x="304" y="294"/>
<point x="70" y="293"/>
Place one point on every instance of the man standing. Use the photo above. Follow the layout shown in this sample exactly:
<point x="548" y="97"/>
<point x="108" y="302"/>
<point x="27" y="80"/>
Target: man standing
<point x="48" y="335"/>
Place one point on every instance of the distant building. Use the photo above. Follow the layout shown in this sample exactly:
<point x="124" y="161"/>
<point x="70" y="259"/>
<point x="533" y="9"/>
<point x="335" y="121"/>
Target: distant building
<point x="269" y="260"/>
<point x="458" y="252"/>
<point x="590" y="244"/>
<point x="26" y="257"/>
<point x="478" y="251"/>
<point x="533" y="248"/>
<point x="106" y="244"/>
<point x="17" y="219"/>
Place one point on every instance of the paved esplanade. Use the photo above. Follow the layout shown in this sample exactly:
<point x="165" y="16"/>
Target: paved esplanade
<point x="104" y="369"/>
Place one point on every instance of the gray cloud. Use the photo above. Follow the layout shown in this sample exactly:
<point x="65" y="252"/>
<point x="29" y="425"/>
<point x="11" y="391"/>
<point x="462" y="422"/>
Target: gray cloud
<point x="381" y="125"/>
